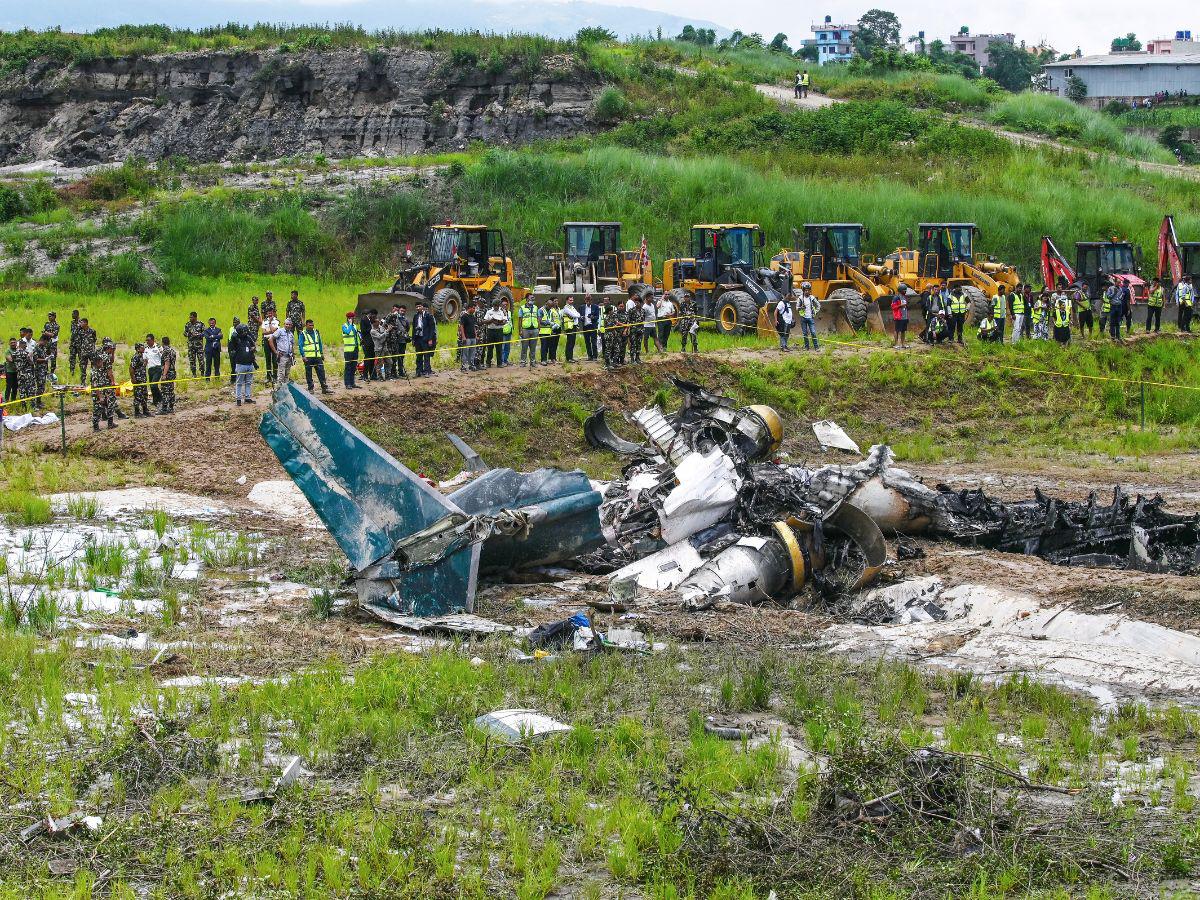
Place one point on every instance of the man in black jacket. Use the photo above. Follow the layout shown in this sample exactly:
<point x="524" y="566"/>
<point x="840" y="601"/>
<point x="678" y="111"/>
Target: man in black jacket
<point x="424" y="335"/>
<point x="241" y="354"/>
<point x="212" y="349"/>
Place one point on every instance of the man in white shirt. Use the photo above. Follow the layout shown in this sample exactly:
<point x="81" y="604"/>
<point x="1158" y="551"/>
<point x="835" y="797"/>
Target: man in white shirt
<point x="650" y="323"/>
<point x="808" y="306"/>
<point x="153" y="357"/>
<point x="493" y="334"/>
<point x="572" y="321"/>
<point x="270" y="325"/>
<point x="666" y="320"/>
<point x="785" y="318"/>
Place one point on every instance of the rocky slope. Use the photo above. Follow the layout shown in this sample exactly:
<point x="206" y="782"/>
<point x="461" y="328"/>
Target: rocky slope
<point x="247" y="105"/>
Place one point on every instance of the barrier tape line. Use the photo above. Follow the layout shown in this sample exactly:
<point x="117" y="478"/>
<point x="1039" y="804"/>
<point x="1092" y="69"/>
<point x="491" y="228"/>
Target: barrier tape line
<point x="445" y="353"/>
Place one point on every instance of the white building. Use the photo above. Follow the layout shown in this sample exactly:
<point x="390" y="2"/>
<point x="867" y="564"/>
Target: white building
<point x="1125" y="76"/>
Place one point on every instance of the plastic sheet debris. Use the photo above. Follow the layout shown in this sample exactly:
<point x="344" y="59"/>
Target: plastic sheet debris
<point x="25" y="420"/>
<point x="516" y="725"/>
<point x="830" y="435"/>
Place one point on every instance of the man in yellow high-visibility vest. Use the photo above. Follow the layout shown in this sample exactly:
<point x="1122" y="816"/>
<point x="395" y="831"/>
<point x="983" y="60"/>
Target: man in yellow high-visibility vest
<point x="312" y="352"/>
<point x="351" y="350"/>
<point x="527" y="322"/>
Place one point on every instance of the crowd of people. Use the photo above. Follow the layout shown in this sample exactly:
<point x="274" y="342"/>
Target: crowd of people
<point x="1049" y="314"/>
<point x="613" y="328"/>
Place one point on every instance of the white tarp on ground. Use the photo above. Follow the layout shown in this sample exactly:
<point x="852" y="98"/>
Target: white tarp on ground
<point x="997" y="633"/>
<point x="16" y="423"/>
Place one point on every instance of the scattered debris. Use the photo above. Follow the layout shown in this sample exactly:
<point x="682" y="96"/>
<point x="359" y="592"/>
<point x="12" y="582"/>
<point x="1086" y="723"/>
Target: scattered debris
<point x="292" y="769"/>
<point x="16" y="423"/>
<point x="830" y="435"/>
<point x="914" y="600"/>
<point x="560" y="634"/>
<point x="457" y="623"/>
<point x="726" y="732"/>
<point x="474" y="461"/>
<point x="517" y="725"/>
<point x="52" y="826"/>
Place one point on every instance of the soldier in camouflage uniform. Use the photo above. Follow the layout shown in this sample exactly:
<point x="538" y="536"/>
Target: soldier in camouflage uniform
<point x="295" y="312"/>
<point x="193" y="333"/>
<point x="104" y="397"/>
<point x="608" y="335"/>
<point x="636" y="318"/>
<point x="170" y="371"/>
<point x="138" y="375"/>
<point x="51" y="328"/>
<point x="687" y="325"/>
<point x="26" y="380"/>
<point x="87" y="348"/>
<point x="73" y="344"/>
<point x="621" y="321"/>
<point x="41" y="369"/>
<point x="254" y="319"/>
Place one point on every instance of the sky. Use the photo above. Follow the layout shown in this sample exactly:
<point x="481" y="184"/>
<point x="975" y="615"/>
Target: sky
<point x="1065" y="24"/>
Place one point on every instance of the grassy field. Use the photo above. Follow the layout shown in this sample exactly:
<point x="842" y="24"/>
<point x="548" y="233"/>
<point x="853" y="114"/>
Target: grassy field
<point x="1059" y="118"/>
<point x="1161" y="117"/>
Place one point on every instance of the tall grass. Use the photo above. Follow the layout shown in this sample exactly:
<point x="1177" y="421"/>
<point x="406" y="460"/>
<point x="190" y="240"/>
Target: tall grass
<point x="1161" y="117"/>
<point x="1059" y="118"/>
<point x="1015" y="201"/>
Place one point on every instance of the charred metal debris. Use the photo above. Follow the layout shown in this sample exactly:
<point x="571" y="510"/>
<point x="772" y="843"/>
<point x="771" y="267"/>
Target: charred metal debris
<point x="705" y="511"/>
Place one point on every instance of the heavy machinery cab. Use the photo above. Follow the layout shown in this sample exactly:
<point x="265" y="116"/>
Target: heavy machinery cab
<point x="943" y="245"/>
<point x="473" y="247"/>
<point x="830" y="248"/>
<point x="1189" y="253"/>
<point x="592" y="261"/>
<point x="719" y="248"/>
<point x="1095" y="261"/>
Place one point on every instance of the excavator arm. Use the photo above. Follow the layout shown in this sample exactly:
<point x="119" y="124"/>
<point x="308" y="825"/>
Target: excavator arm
<point x="1169" y="256"/>
<point x="1054" y="265"/>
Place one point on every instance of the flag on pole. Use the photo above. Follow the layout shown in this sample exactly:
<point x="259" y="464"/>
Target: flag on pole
<point x="645" y="253"/>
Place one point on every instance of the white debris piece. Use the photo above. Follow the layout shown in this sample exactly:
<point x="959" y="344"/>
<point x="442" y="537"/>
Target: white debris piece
<point x="707" y="490"/>
<point x="663" y="570"/>
<point x="913" y="600"/>
<point x="830" y="434"/>
<point x="520" y="724"/>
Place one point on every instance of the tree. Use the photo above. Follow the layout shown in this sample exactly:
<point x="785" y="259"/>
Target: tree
<point x="1127" y="44"/>
<point x="918" y="42"/>
<point x="877" y="28"/>
<point x="1011" y="67"/>
<point x="594" y="34"/>
<point x="936" y="50"/>
<point x="705" y="37"/>
<point x="779" y="44"/>
<point x="808" y="52"/>
<point x="1076" y="89"/>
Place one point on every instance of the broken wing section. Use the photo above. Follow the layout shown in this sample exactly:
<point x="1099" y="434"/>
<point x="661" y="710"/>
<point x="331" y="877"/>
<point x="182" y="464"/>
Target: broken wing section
<point x="375" y="508"/>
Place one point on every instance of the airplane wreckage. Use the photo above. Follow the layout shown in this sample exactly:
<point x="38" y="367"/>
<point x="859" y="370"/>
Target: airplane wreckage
<point x="704" y="511"/>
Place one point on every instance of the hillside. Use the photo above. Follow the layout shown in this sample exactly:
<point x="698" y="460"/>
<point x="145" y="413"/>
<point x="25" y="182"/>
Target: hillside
<point x="211" y="106"/>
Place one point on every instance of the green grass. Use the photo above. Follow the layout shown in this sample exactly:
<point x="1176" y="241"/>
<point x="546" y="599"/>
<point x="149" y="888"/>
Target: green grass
<point x="1059" y="118"/>
<point x="1161" y="117"/>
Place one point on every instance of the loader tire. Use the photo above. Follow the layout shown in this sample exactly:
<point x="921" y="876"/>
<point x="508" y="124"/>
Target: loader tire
<point x="854" y="306"/>
<point x="737" y="313"/>
<point x="978" y="304"/>
<point x="501" y="293"/>
<point x="446" y="304"/>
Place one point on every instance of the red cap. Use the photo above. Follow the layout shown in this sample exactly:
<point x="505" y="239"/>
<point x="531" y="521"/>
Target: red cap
<point x="349" y="315"/>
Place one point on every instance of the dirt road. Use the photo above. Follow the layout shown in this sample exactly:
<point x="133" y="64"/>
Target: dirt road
<point x="816" y="101"/>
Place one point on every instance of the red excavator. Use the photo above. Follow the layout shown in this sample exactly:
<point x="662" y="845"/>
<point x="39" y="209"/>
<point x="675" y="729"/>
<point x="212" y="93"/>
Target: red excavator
<point x="1176" y="259"/>
<point x="1095" y="263"/>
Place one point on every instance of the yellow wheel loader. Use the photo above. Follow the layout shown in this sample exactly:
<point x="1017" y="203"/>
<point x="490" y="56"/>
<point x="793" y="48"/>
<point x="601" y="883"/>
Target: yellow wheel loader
<point x="726" y="276"/>
<point x="830" y="260"/>
<point x="463" y="262"/>
<point x="592" y="262"/>
<point x="944" y="254"/>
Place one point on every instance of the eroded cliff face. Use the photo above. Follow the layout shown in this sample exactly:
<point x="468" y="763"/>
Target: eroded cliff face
<point x="215" y="106"/>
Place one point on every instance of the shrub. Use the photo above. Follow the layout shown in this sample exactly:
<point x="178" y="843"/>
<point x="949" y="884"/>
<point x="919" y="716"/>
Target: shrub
<point x="12" y="204"/>
<point x="611" y="105"/>
<point x="84" y="273"/>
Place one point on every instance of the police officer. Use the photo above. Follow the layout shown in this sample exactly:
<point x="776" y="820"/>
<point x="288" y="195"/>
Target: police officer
<point x="312" y="352"/>
<point x="351" y="350"/>
<point x="1185" y="296"/>
<point x="1154" y="308"/>
<point x="635" y="316"/>
<point x="528" y="322"/>
<point x="958" y="313"/>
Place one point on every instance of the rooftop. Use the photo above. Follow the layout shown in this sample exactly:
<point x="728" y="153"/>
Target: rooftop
<point x="1128" y="59"/>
